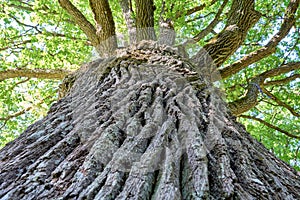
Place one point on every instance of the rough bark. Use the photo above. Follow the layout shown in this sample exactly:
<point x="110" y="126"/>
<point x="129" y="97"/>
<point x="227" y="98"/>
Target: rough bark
<point x="102" y="36"/>
<point x="142" y="125"/>
<point x="81" y="21"/>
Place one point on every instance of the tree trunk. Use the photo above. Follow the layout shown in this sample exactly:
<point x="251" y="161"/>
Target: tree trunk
<point x="142" y="125"/>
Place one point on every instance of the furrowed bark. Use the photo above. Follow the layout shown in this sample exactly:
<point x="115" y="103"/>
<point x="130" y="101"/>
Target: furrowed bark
<point x="169" y="137"/>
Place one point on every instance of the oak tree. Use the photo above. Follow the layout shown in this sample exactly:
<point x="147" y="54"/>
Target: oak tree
<point x="146" y="120"/>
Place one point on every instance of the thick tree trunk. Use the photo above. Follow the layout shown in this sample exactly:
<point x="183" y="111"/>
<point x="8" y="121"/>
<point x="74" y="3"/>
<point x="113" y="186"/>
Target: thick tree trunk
<point x="142" y="125"/>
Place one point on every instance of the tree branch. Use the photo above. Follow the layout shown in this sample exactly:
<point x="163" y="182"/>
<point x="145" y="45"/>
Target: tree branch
<point x="16" y="114"/>
<point x="21" y="112"/>
<point x="279" y="102"/>
<point x="193" y="10"/>
<point x="289" y="21"/>
<point x="81" y="21"/>
<point x="210" y="27"/>
<point x="105" y="27"/>
<point x="34" y="73"/>
<point x="242" y="17"/>
<point x="145" y="20"/>
<point x="271" y="126"/>
<point x="247" y="102"/>
<point x="282" y="81"/>
<point x="281" y="70"/>
<point x="15" y="45"/>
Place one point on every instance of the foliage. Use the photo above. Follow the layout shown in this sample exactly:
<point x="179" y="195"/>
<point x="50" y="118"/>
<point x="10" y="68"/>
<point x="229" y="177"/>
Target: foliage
<point x="40" y="34"/>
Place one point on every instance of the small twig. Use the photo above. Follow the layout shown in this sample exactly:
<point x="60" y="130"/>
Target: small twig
<point x="271" y="126"/>
<point x="281" y="103"/>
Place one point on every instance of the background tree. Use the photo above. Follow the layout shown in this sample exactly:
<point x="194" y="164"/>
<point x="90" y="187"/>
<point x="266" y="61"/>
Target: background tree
<point x="254" y="45"/>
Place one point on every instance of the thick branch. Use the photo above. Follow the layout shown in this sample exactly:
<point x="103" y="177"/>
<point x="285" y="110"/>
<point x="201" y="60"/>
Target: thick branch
<point x="145" y="20"/>
<point x="271" y="126"/>
<point x="34" y="73"/>
<point x="242" y="17"/>
<point x="81" y="21"/>
<point x="281" y="70"/>
<point x="247" y="102"/>
<point x="105" y="27"/>
<point x="289" y="21"/>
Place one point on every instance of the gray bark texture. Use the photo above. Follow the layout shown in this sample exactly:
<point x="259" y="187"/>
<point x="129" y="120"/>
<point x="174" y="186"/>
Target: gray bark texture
<point x="142" y="125"/>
